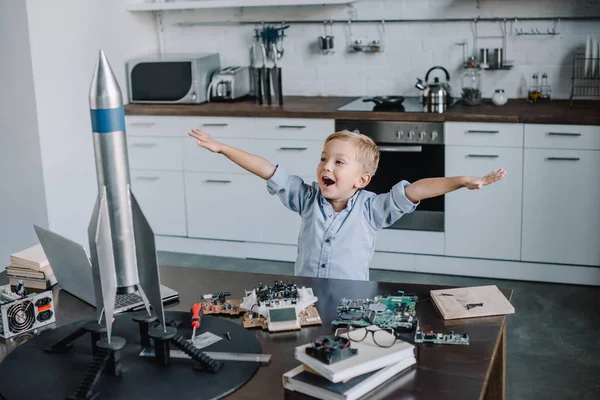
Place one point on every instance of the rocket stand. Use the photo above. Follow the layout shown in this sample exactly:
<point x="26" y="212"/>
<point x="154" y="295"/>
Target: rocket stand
<point x="65" y="344"/>
<point x="144" y="320"/>
<point x="108" y="355"/>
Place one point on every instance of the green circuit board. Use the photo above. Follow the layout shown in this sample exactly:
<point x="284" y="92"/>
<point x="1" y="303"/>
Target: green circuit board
<point x="441" y="338"/>
<point x="384" y="311"/>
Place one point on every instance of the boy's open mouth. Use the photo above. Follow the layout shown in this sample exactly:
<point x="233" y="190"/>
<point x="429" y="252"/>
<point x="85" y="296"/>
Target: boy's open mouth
<point x="328" y="181"/>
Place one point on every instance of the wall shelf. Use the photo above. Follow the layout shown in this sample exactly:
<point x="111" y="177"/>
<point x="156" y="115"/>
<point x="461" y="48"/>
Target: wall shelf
<point x="204" y="4"/>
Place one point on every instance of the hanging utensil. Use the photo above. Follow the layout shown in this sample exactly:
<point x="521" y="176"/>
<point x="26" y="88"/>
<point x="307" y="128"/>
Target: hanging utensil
<point x="266" y="75"/>
<point x="278" y="86"/>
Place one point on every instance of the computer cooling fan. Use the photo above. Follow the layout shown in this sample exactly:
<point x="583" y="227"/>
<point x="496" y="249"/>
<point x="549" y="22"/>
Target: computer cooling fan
<point x="19" y="315"/>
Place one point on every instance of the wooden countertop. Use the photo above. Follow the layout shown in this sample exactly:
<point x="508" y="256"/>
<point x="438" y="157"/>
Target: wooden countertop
<point x="583" y="112"/>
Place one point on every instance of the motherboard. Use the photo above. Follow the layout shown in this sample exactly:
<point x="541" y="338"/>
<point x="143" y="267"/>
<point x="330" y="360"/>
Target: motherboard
<point x="397" y="312"/>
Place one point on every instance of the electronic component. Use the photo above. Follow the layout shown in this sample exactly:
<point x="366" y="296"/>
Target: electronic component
<point x="440" y="338"/>
<point x="218" y="305"/>
<point x="397" y="312"/>
<point x="330" y="349"/>
<point x="22" y="314"/>
<point x="283" y="321"/>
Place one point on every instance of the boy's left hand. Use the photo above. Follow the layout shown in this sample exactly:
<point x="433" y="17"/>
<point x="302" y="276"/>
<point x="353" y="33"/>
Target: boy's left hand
<point x="472" y="182"/>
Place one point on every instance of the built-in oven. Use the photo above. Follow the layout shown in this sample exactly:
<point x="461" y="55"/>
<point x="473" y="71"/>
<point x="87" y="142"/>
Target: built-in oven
<point x="408" y="151"/>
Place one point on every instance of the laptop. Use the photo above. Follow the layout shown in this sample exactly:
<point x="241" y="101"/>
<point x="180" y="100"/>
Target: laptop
<point x="73" y="270"/>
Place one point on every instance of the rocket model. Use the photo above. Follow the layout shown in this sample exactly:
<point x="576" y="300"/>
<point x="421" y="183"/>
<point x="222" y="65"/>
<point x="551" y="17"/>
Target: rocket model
<point x="122" y="247"/>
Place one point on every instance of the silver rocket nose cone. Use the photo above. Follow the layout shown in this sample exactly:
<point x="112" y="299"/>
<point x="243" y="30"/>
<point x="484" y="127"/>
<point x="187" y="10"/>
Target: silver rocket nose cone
<point x="104" y="90"/>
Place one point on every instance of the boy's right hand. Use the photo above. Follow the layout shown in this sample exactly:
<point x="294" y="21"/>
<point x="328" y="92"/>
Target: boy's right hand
<point x="205" y="140"/>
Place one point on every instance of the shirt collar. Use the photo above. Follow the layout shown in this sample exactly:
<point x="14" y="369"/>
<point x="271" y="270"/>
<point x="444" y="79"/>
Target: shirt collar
<point x="349" y="205"/>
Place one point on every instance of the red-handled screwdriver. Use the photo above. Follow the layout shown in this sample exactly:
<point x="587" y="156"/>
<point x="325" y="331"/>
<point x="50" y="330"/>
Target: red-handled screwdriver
<point x="197" y="312"/>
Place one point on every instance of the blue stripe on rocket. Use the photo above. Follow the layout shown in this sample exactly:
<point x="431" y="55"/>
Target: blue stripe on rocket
<point x="106" y="120"/>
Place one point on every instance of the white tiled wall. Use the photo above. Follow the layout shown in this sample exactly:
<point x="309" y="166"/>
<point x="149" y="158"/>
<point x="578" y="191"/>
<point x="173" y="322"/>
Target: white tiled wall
<point x="411" y="48"/>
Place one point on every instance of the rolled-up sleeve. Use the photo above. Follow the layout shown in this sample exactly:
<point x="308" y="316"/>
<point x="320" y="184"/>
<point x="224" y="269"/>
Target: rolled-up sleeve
<point x="384" y="209"/>
<point x="291" y="190"/>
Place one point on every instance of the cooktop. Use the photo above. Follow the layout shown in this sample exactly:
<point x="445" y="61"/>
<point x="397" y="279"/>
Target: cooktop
<point x="410" y="104"/>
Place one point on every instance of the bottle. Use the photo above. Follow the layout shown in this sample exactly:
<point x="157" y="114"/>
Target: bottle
<point x="534" y="92"/>
<point x="499" y="98"/>
<point x="471" y="85"/>
<point x="545" y="88"/>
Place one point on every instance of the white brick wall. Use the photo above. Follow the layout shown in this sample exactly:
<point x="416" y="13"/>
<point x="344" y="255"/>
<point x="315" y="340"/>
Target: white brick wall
<point x="411" y="48"/>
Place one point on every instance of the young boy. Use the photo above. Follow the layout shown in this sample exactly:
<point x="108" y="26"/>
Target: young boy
<point x="339" y="218"/>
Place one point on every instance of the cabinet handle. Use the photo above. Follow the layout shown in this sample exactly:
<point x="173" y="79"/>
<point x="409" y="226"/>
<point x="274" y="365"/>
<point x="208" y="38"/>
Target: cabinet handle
<point x="218" y="181"/>
<point x="143" y="144"/>
<point x="146" y="178"/>
<point x="145" y="124"/>
<point x="562" y="158"/>
<point x="564" y="134"/>
<point x="293" y="148"/>
<point x="400" y="149"/>
<point x="482" y="156"/>
<point x="215" y="124"/>
<point x="479" y="131"/>
<point x="292" y="126"/>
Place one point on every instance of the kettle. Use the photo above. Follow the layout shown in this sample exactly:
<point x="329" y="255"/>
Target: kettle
<point x="436" y="95"/>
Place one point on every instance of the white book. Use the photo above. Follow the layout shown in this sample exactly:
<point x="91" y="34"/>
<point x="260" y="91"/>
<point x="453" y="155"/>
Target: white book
<point x="299" y="380"/>
<point x="370" y="357"/>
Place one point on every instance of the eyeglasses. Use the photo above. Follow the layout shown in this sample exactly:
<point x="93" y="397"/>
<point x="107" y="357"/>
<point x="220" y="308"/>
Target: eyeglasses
<point x="382" y="337"/>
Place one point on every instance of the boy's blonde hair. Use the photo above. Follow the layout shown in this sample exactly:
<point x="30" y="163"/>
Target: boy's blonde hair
<point x="367" y="152"/>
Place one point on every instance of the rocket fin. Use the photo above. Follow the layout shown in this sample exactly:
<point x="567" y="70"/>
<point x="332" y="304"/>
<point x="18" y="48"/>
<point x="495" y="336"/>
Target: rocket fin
<point x="103" y="263"/>
<point x="145" y="250"/>
<point x="144" y="298"/>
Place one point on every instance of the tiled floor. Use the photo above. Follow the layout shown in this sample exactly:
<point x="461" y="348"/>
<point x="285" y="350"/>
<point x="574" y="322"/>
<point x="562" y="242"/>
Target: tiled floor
<point x="553" y="349"/>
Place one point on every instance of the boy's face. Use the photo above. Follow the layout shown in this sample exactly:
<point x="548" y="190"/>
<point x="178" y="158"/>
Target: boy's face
<point x="340" y="173"/>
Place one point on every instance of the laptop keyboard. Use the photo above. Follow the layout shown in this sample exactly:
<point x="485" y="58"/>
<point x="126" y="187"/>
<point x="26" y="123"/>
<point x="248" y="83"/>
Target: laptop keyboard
<point x="124" y="300"/>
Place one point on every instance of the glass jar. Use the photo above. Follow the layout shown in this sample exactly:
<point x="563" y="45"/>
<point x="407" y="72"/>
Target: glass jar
<point x="471" y="86"/>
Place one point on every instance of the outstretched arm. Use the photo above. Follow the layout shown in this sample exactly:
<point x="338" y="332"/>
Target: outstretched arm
<point x="250" y="162"/>
<point x="432" y="187"/>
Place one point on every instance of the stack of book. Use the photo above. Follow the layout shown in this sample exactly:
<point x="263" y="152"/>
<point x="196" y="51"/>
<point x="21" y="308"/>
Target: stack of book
<point x="31" y="266"/>
<point x="371" y="368"/>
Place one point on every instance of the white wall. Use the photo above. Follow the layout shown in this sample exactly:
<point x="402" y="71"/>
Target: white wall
<point x="411" y="48"/>
<point x="22" y="199"/>
<point x="66" y="36"/>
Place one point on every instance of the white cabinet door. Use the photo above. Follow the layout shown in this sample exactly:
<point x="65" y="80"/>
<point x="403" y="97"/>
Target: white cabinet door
<point x="561" y="206"/>
<point x="160" y="195"/>
<point x="224" y="206"/>
<point x="484" y="223"/>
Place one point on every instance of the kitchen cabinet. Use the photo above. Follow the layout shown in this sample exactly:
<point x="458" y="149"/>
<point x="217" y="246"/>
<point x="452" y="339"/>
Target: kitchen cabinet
<point x="160" y="195"/>
<point x="204" y="4"/>
<point x="561" y="195"/>
<point x="484" y="223"/>
<point x="223" y="206"/>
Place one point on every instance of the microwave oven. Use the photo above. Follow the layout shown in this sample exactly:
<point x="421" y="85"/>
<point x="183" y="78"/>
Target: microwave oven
<point x="171" y="79"/>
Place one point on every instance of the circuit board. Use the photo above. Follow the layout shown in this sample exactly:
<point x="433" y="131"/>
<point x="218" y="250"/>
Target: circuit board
<point x="307" y="317"/>
<point x="398" y="312"/>
<point x="441" y="338"/>
<point x="228" y="307"/>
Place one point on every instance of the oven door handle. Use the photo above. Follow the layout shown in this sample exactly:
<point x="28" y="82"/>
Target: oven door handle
<point x="400" y="149"/>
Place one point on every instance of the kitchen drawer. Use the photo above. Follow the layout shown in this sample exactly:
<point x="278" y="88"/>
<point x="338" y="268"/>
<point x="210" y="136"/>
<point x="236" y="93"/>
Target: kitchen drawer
<point x="294" y="128"/>
<point x="157" y="153"/>
<point x="161" y="197"/>
<point x="197" y="158"/>
<point x="155" y="125"/>
<point x="568" y="137"/>
<point x="180" y="125"/>
<point x="224" y="206"/>
<point x="297" y="156"/>
<point x="483" y="134"/>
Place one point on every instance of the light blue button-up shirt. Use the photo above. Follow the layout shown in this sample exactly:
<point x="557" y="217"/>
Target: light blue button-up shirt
<point x="337" y="245"/>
